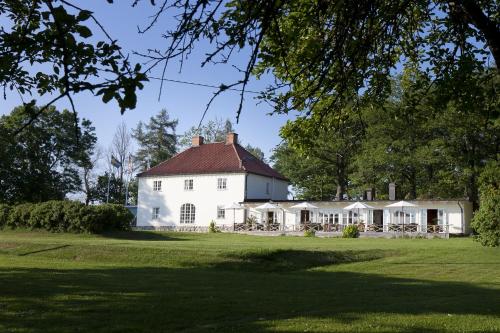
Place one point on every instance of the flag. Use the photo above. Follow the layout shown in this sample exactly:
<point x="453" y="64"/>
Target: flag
<point x="115" y="162"/>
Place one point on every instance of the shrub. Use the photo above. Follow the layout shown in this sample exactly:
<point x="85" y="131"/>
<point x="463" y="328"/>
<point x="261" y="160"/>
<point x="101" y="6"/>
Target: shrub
<point x="212" y="228"/>
<point x="310" y="233"/>
<point x="68" y="216"/>
<point x="351" y="231"/>
<point x="19" y="216"/>
<point x="4" y="214"/>
<point x="110" y="217"/>
<point x="486" y="220"/>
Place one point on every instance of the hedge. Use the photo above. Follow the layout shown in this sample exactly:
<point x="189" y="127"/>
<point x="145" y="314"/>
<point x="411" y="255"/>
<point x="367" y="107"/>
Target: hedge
<point x="66" y="216"/>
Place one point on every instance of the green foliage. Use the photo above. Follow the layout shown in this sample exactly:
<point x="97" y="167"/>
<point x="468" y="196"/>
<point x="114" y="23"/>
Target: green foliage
<point x="43" y="163"/>
<point x="4" y="214"/>
<point x="486" y="221"/>
<point x="212" y="227"/>
<point x="157" y="140"/>
<point x="213" y="131"/>
<point x="251" y="220"/>
<point x="48" y="50"/>
<point x="116" y="189"/>
<point x="69" y="216"/>
<point x="310" y="233"/>
<point x="319" y="161"/>
<point x="350" y="231"/>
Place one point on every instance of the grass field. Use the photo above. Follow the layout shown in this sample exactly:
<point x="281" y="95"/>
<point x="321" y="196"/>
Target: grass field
<point x="173" y="282"/>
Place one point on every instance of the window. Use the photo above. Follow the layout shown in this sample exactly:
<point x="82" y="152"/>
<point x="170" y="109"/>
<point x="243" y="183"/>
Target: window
<point x="155" y="213"/>
<point x="157" y="185"/>
<point x="188" y="184"/>
<point x="267" y="188"/>
<point x="221" y="183"/>
<point x="221" y="212"/>
<point x="187" y="213"/>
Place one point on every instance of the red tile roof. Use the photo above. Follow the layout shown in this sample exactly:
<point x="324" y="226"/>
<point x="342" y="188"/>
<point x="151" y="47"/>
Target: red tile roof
<point x="217" y="157"/>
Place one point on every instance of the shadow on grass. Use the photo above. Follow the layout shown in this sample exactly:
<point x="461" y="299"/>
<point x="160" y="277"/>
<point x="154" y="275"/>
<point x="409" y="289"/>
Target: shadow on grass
<point x="292" y="260"/>
<point x="139" y="236"/>
<point x="244" y="295"/>
<point x="54" y="248"/>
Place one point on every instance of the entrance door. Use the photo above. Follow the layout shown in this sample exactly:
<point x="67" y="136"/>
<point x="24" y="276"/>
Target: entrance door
<point x="378" y="217"/>
<point x="304" y="216"/>
<point x="432" y="217"/>
<point x="270" y="217"/>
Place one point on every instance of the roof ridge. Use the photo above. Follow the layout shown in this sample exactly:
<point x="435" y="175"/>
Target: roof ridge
<point x="238" y="156"/>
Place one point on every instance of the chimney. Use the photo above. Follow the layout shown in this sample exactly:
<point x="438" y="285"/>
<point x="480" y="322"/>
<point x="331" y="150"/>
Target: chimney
<point x="197" y="141"/>
<point x="392" y="191"/>
<point x="231" y="138"/>
<point x="370" y="194"/>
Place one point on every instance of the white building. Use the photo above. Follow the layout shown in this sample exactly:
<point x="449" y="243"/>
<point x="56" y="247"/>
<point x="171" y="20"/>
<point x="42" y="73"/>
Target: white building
<point x="198" y="185"/>
<point x="194" y="187"/>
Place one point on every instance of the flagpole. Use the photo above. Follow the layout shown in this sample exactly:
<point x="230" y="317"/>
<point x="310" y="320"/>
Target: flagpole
<point x="107" y="194"/>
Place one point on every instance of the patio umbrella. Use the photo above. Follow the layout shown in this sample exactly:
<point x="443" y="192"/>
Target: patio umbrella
<point x="358" y="205"/>
<point x="304" y="206"/>
<point x="234" y="206"/>
<point x="267" y="207"/>
<point x="402" y="204"/>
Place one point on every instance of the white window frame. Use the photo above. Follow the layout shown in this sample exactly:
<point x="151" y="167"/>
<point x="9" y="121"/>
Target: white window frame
<point x="157" y="185"/>
<point x="221" y="213"/>
<point x="187" y="214"/>
<point x="155" y="213"/>
<point x="222" y="184"/>
<point x="188" y="184"/>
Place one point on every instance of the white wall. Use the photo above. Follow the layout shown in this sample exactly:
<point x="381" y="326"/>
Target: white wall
<point x="205" y="197"/>
<point x="256" y="188"/>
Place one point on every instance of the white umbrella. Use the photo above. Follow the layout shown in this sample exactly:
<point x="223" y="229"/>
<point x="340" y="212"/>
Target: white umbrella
<point x="304" y="205"/>
<point x="267" y="207"/>
<point x="358" y="205"/>
<point x="234" y="206"/>
<point x="402" y="204"/>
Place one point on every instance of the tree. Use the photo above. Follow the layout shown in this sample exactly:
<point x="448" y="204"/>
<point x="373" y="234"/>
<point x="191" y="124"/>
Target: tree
<point x="213" y="131"/>
<point x="319" y="166"/>
<point x="47" y="47"/>
<point x="89" y="176"/>
<point x="331" y="48"/>
<point x="42" y="164"/>
<point x="256" y="151"/>
<point x="116" y="194"/>
<point x="121" y="148"/>
<point x="486" y="221"/>
<point x="157" y="140"/>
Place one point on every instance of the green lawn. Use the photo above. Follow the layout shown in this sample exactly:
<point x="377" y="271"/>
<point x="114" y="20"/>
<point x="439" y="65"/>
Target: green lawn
<point x="173" y="282"/>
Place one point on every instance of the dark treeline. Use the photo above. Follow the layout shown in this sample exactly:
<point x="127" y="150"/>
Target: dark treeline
<point x="430" y="144"/>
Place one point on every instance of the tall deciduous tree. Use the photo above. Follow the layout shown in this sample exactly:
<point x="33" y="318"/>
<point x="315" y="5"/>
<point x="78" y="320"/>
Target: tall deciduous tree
<point x="319" y="166"/>
<point x="43" y="163"/>
<point x="213" y="131"/>
<point x="157" y="140"/>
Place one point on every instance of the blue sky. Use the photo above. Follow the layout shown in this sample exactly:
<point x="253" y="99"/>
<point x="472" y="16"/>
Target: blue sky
<point x="184" y="102"/>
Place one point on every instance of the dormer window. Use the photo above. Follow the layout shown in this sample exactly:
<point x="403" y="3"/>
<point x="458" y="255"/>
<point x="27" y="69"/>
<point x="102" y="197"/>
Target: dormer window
<point x="157" y="185"/>
<point x="188" y="184"/>
<point x="221" y="183"/>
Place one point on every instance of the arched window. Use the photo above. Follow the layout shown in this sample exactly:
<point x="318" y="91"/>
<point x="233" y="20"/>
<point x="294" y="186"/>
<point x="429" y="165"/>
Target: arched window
<point x="188" y="213"/>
